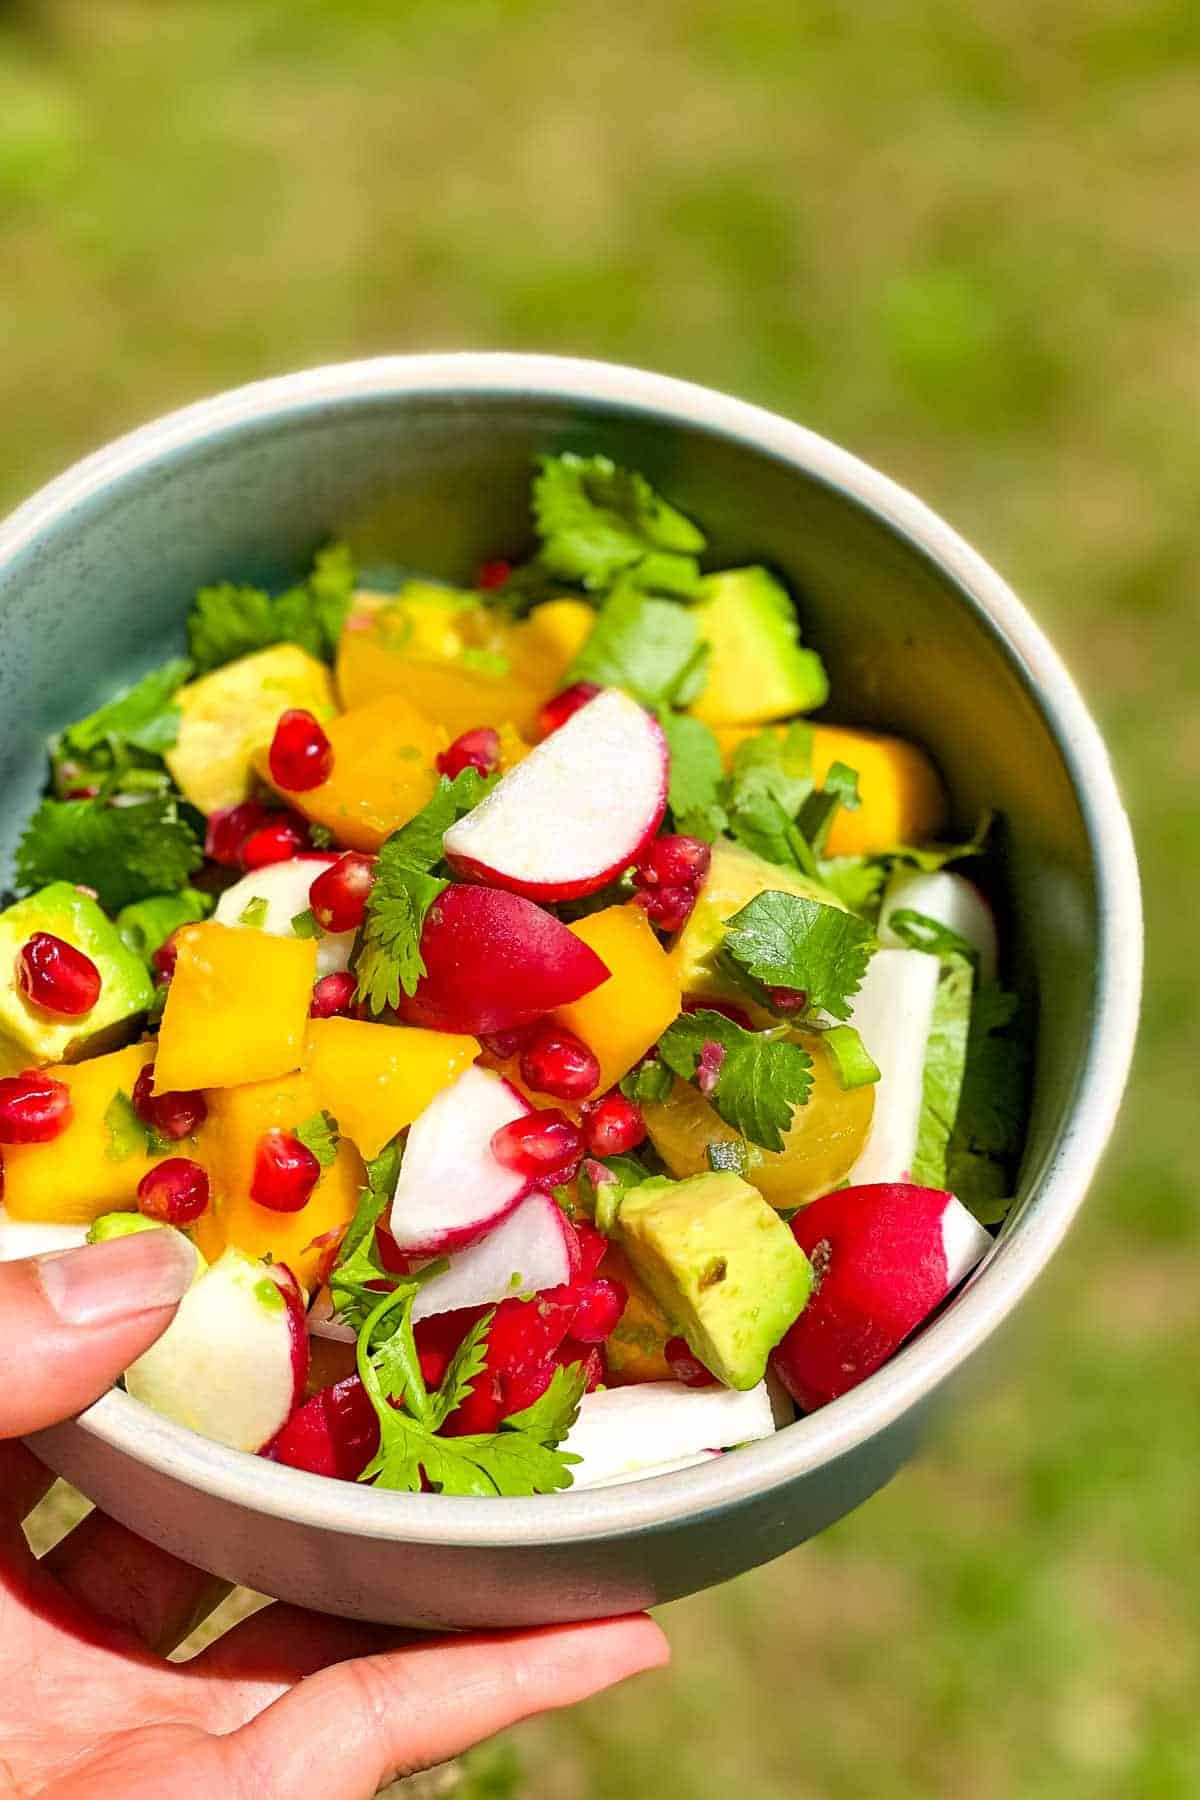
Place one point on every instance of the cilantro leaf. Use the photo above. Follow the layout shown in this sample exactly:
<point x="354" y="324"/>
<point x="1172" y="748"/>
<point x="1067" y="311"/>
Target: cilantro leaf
<point x="788" y="941"/>
<point x="929" y="858"/>
<point x="228" y="620"/>
<point x="775" y="764"/>
<point x="553" y="1413"/>
<point x="945" y="1064"/>
<point x="125" y="853"/>
<point x="596" y="519"/>
<point x="651" y="648"/>
<point x="358" y="1262"/>
<point x="604" y="1180"/>
<point x="754" y="1079"/>
<point x="919" y="932"/>
<point x="464" y="1367"/>
<point x="142" y="716"/>
<point x="318" y="1133"/>
<point x="419" y="843"/>
<point x="840" y="788"/>
<point x="697" y="776"/>
<point x="857" y="881"/>
<point x="648" y="1081"/>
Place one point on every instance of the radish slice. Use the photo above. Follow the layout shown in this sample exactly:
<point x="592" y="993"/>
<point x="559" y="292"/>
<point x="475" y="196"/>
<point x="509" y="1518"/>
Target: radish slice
<point x="893" y="1012"/>
<point x="451" y="1190"/>
<point x="284" y="886"/>
<point x="576" y="811"/>
<point x="629" y="1431"/>
<point x="952" y="901"/>
<point x="36" y="1237"/>
<point x="527" y="1252"/>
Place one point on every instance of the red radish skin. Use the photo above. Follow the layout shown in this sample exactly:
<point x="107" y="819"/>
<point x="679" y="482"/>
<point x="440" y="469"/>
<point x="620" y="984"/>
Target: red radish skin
<point x="297" y="1317"/>
<point x="879" y="1256"/>
<point x="495" y="961"/>
<point x="576" y="812"/>
<point x="452" y="1190"/>
<point x="565" y="705"/>
<point x="336" y="1433"/>
<point x="528" y="1252"/>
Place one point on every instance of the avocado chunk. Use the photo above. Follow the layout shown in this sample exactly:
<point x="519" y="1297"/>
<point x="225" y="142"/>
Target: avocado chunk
<point x="757" y="670"/>
<point x="722" y="1265"/>
<point x="126" y="989"/>
<point x="735" y="877"/>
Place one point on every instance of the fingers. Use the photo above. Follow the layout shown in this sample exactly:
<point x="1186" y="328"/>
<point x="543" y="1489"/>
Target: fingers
<point x="75" y="1319"/>
<point x="345" y="1732"/>
<point x="133" y="1584"/>
<point x="23" y="1482"/>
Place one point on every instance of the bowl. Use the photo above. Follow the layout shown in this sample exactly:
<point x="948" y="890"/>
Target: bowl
<point x="428" y="458"/>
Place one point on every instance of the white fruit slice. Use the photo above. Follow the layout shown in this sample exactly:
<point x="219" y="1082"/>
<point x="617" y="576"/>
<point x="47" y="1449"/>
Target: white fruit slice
<point x="950" y="899"/>
<point x="451" y="1189"/>
<point x="667" y="1468"/>
<point x="628" y="1431"/>
<point x="576" y="811"/>
<point x="964" y="1241"/>
<point x="228" y="1365"/>
<point x="893" y="1011"/>
<point x="284" y="886"/>
<point x="527" y="1252"/>
<point x="36" y="1237"/>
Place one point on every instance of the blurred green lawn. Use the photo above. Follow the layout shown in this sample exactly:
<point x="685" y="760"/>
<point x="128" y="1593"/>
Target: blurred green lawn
<point x="965" y="246"/>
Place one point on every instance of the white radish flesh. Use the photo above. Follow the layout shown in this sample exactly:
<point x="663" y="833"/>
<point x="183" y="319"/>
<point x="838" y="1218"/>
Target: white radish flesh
<point x="527" y="1252"/>
<point x="284" y="886"/>
<point x="667" y="1468"/>
<point x="451" y="1190"/>
<point x="628" y="1431"/>
<point x="949" y="899"/>
<point x="893" y="1012"/>
<point x="964" y="1241"/>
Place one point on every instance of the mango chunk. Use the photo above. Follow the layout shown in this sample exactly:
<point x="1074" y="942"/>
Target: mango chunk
<point x="620" y="1019"/>
<point x="237" y="1118"/>
<point x="228" y="715"/>
<point x="237" y="1008"/>
<point x="383" y="772"/>
<point x="903" y="800"/>
<point x="375" y="1079"/>
<point x="94" y="1166"/>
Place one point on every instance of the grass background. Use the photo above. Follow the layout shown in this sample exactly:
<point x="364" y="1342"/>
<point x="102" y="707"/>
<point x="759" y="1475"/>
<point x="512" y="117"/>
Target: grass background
<point x="963" y="242"/>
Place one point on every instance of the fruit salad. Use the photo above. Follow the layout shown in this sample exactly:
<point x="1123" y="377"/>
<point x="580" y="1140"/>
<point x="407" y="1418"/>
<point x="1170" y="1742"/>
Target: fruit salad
<point x="564" y="1057"/>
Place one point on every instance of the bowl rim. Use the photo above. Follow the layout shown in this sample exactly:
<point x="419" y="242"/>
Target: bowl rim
<point x="1059" y="1185"/>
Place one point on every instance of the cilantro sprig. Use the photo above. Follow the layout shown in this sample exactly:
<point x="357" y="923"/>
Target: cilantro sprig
<point x="597" y="520"/>
<point x="789" y="941"/>
<point x="754" y="1079"/>
<point x="228" y="621"/>
<point x="124" y="852"/>
<point x="319" y="1133"/>
<point x="650" y="647"/>
<point x="353" y="1284"/>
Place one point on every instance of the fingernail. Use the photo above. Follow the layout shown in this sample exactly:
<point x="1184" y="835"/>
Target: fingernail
<point x="118" y="1279"/>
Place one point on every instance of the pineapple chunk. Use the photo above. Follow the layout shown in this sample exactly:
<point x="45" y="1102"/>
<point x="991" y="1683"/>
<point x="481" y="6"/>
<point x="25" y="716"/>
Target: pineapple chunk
<point x="228" y="715"/>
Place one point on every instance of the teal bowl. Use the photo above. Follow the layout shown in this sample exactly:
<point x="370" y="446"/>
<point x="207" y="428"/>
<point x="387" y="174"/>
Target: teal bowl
<point x="428" y="458"/>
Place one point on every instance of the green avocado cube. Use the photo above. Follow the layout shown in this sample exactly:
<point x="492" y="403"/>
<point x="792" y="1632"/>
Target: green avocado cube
<point x="723" y="1266"/>
<point x="30" y="1033"/>
<point x="757" y="670"/>
<point x="735" y="878"/>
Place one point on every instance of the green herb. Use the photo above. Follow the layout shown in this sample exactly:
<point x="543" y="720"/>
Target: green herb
<point x="318" y="1133"/>
<point x="945" y="1066"/>
<point x="929" y="858"/>
<point x="840" y="788"/>
<point x="649" y="1081"/>
<point x="597" y="520"/>
<point x="319" y="836"/>
<point x="788" y="941"/>
<point x="649" y="647"/>
<point x="857" y="881"/>
<point x="228" y="621"/>
<point x="775" y="764"/>
<point x="754" y="1079"/>
<point x="603" y="1183"/>
<point x="697" y="777"/>
<point x="919" y="932"/>
<point x="254" y="913"/>
<point x="125" y="853"/>
<point x="126" y="1132"/>
<point x="853" y="1065"/>
<point x="147" y="924"/>
<point x="358" y="1260"/>
<point x="306" y="925"/>
<point x="520" y="1458"/>
<point x="141" y="717"/>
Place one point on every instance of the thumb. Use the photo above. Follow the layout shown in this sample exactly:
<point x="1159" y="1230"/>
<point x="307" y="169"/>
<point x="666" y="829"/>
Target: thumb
<point x="73" y="1320"/>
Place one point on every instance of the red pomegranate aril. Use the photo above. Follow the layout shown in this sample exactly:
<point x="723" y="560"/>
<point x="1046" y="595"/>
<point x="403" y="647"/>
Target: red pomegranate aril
<point x="787" y="1000"/>
<point x="301" y="756"/>
<point x="174" y="1192"/>
<point x="174" y="1116"/>
<point x="598" y="1312"/>
<point x="586" y="1251"/>
<point x="503" y="1044"/>
<point x="34" y="1108"/>
<point x="493" y="574"/>
<point x="555" y="1061"/>
<point x="557" y="711"/>
<point x="57" y="976"/>
<point x="81" y="793"/>
<point x="673" y="861"/>
<point x="478" y="749"/>
<point x="613" y="1125"/>
<point x="332" y="995"/>
<point x="669" y="908"/>
<point x="162" y="960"/>
<point x="228" y="829"/>
<point x="285" y="1172"/>
<point x="282" y="838"/>
<point x="685" y="1365"/>
<point x="338" y="896"/>
<point x="542" y="1144"/>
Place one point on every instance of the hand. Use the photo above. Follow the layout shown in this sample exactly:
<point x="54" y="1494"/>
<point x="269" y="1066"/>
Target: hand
<point x="89" y="1710"/>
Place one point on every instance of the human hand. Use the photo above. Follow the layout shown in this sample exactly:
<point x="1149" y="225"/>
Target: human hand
<point x="288" y="1702"/>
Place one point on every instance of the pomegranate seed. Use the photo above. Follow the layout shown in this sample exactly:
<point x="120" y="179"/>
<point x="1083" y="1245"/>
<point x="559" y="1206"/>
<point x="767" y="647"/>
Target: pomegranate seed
<point x="163" y="960"/>
<point x="338" y="896"/>
<point x="557" y="711"/>
<point x="478" y="749"/>
<point x="599" y="1310"/>
<point x="708" y="1065"/>
<point x="57" y="976"/>
<point x="613" y="1125"/>
<point x="673" y="861"/>
<point x="685" y="1366"/>
<point x="174" y="1192"/>
<point x="555" y="1061"/>
<point x="332" y="995"/>
<point x="228" y="829"/>
<point x="81" y="793"/>
<point x="788" y="1000"/>
<point x="504" y="1044"/>
<point x="587" y="1250"/>
<point x="544" y="1144"/>
<point x="278" y="841"/>
<point x="493" y="574"/>
<point x="34" y="1108"/>
<point x="301" y="756"/>
<point x="174" y="1116"/>
<point x="726" y="1008"/>
<point x="285" y="1172"/>
<point x="669" y="908"/>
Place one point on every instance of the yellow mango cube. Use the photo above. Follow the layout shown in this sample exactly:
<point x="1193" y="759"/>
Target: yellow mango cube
<point x="237" y="1008"/>
<point x="375" y="1079"/>
<point x="228" y="715"/>
<point x="94" y="1166"/>
<point x="237" y="1118"/>
<point x="383" y="773"/>
<point x="620" y="1019"/>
